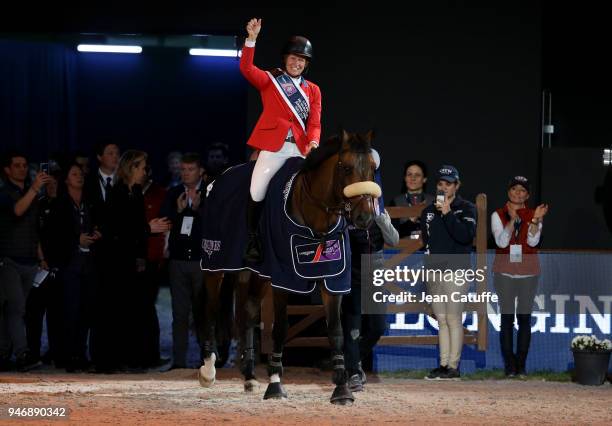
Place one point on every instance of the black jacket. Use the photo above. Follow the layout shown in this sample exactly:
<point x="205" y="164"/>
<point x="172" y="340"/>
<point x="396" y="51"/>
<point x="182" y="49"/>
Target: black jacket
<point x="61" y="230"/>
<point x="450" y="234"/>
<point x="180" y="246"/>
<point x="404" y="226"/>
<point x="126" y="228"/>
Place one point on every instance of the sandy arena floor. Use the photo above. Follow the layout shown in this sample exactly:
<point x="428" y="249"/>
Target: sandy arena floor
<point x="175" y="397"/>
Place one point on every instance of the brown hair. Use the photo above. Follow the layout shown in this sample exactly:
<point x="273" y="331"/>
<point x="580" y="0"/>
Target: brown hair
<point x="129" y="160"/>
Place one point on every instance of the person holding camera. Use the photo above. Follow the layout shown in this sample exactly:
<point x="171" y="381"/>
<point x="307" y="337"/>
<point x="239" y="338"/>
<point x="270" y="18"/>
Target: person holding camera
<point x="517" y="230"/>
<point x="181" y="206"/>
<point x="448" y="228"/>
<point x="20" y="256"/>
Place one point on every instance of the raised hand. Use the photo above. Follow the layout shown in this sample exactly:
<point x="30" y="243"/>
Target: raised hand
<point x="181" y="202"/>
<point x="253" y="27"/>
<point x="41" y="180"/>
<point x="540" y="211"/>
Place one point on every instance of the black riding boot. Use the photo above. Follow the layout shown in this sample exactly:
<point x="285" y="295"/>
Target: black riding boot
<point x="253" y="248"/>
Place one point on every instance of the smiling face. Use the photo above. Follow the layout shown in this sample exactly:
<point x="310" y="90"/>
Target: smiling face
<point x="414" y="179"/>
<point x="294" y="65"/>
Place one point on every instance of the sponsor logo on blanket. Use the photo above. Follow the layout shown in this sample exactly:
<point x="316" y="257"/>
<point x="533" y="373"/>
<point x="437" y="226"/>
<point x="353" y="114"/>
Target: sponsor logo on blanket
<point x="210" y="246"/>
<point x="319" y="252"/>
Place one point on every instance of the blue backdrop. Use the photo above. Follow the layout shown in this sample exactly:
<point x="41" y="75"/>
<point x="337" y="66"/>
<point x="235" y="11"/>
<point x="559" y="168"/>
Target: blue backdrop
<point x="574" y="297"/>
<point x="53" y="99"/>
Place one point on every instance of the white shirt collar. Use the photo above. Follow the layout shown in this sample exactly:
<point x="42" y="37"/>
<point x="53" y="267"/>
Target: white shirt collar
<point x="105" y="176"/>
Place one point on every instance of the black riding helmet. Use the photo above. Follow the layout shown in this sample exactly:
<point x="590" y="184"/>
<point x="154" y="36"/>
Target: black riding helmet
<point x="298" y="45"/>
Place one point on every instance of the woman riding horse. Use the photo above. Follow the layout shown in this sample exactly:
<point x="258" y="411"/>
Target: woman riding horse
<point x="289" y="126"/>
<point x="333" y="184"/>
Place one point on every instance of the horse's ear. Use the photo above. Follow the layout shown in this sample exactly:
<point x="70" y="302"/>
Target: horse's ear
<point x="370" y="135"/>
<point x="345" y="136"/>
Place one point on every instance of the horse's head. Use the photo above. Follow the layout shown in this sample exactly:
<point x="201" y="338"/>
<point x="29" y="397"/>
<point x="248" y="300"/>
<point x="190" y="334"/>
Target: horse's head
<point x="354" y="178"/>
<point x="338" y="179"/>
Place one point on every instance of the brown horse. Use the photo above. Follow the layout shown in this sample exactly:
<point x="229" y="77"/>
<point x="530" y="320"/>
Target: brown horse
<point x="335" y="180"/>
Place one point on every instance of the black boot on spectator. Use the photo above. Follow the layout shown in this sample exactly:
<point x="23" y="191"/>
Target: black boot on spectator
<point x="26" y="362"/>
<point x="362" y="374"/>
<point x="6" y="364"/>
<point x="354" y="383"/>
<point x="47" y="358"/>
<point x="521" y="361"/>
<point x="159" y="363"/>
<point x="77" y="365"/>
<point x="510" y="368"/>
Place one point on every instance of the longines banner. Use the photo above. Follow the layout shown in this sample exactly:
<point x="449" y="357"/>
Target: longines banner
<point x="573" y="296"/>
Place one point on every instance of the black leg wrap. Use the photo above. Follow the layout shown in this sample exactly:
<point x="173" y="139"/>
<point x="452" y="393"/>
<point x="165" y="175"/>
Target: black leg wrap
<point x="339" y="375"/>
<point x="247" y="366"/>
<point x="275" y="364"/>
<point x="209" y="348"/>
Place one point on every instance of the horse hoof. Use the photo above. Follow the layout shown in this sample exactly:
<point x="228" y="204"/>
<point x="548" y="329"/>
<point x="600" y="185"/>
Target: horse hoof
<point x="204" y="378"/>
<point x="275" y="391"/>
<point x="342" y="395"/>
<point x="207" y="375"/>
<point x="251" y="385"/>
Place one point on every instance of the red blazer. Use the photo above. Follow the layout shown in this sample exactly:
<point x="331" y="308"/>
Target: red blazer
<point x="276" y="119"/>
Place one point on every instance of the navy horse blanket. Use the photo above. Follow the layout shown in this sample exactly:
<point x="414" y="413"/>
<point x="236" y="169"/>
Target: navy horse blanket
<point x="294" y="257"/>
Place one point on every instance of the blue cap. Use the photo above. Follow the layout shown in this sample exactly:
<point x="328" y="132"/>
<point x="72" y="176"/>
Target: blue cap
<point x="448" y="173"/>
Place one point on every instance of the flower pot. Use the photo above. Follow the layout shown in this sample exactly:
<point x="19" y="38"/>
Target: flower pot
<point x="591" y="367"/>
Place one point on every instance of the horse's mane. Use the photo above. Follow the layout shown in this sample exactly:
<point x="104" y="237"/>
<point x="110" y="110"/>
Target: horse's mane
<point x="358" y="144"/>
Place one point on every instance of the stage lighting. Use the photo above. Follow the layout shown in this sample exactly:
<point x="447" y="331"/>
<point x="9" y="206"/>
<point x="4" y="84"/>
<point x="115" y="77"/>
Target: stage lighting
<point x="228" y="53"/>
<point x="107" y="48"/>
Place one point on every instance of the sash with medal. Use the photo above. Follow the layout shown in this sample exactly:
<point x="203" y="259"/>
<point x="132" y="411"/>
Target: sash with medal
<point x="293" y="95"/>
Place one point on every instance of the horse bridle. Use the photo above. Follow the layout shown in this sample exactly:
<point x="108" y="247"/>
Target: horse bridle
<point x="343" y="209"/>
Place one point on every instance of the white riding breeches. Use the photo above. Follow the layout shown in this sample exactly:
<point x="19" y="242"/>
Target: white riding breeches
<point x="268" y="163"/>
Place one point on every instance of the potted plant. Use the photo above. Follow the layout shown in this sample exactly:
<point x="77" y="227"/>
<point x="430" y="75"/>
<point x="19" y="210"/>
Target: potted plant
<point x="591" y="358"/>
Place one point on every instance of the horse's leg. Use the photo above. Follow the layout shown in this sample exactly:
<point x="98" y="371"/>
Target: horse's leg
<point x="279" y="335"/>
<point x="342" y="394"/>
<point x="249" y="294"/>
<point x="212" y="283"/>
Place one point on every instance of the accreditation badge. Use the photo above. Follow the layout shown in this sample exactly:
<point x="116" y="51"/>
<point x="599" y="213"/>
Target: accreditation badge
<point x="516" y="253"/>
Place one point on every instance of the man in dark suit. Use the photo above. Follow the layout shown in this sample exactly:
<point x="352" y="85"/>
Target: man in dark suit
<point x="103" y="351"/>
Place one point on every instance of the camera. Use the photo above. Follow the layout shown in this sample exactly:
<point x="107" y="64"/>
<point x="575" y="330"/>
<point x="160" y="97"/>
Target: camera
<point x="44" y="167"/>
<point x="440" y="197"/>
